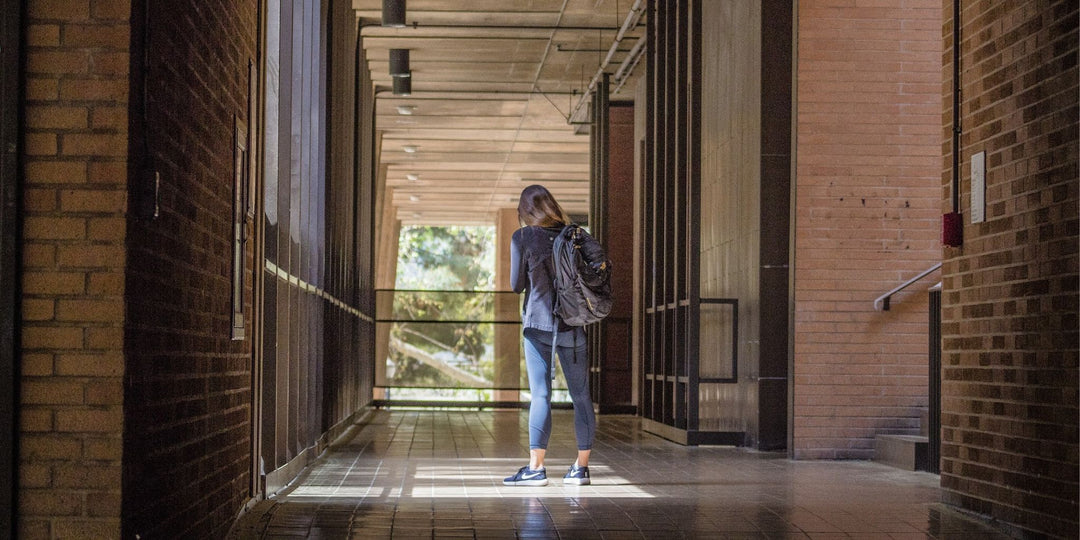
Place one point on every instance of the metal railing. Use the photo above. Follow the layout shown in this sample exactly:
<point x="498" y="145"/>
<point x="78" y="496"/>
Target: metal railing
<point x="882" y="302"/>
<point x="934" y="406"/>
<point x="451" y="347"/>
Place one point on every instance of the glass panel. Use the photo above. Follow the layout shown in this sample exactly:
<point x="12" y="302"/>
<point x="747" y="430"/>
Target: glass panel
<point x="451" y="341"/>
<point x="717" y="349"/>
<point x="271" y="127"/>
<point x="726" y="407"/>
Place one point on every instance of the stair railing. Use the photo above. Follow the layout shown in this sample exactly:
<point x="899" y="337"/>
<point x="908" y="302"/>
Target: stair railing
<point x="882" y="302"/>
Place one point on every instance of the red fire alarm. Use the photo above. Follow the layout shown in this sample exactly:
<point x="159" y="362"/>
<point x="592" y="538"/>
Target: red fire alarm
<point x="952" y="230"/>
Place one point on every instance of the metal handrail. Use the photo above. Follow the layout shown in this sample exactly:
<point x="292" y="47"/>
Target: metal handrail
<point x="882" y="302"/>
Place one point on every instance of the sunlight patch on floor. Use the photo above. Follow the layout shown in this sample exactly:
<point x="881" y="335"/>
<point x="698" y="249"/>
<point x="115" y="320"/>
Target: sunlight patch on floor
<point x="535" y="492"/>
<point x="305" y="492"/>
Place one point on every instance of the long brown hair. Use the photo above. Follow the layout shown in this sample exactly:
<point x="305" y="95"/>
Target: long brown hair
<point x="537" y="206"/>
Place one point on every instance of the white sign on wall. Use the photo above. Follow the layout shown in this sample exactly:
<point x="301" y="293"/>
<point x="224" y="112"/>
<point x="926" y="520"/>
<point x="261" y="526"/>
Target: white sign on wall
<point x="978" y="187"/>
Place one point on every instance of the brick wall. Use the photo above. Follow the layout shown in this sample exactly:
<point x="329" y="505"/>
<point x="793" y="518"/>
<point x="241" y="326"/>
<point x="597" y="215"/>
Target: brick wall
<point x="73" y="254"/>
<point x="1009" y="304"/>
<point x="867" y="211"/>
<point x="187" y="441"/>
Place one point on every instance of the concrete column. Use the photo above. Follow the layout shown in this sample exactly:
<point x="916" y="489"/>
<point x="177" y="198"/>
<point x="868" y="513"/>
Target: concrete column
<point x="507" y="308"/>
<point x="386" y="253"/>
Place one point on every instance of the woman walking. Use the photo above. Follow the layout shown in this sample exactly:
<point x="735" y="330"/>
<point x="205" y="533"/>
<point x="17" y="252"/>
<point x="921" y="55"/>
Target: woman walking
<point x="532" y="272"/>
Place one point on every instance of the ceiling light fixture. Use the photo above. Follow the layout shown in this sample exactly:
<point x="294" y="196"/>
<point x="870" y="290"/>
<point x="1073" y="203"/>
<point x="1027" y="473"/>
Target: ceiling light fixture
<point x="399" y="63"/>
<point x="414" y="198"/>
<point x="410" y="149"/>
<point x="393" y="13"/>
<point x="405" y="110"/>
<point x="412" y="177"/>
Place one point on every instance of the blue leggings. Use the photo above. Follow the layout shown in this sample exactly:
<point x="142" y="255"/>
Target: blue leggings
<point x="575" y="367"/>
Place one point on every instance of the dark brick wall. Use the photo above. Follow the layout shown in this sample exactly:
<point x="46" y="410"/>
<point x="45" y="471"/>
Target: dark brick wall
<point x="1009" y="304"/>
<point x="187" y="441"/>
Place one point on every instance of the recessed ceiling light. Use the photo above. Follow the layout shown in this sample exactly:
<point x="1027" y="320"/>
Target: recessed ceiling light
<point x="405" y="110"/>
<point x="412" y="177"/>
<point x="409" y="148"/>
<point x="414" y="198"/>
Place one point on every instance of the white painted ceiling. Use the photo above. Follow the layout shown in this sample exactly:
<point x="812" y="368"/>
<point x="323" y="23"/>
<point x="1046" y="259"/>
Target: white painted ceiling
<point x="493" y="85"/>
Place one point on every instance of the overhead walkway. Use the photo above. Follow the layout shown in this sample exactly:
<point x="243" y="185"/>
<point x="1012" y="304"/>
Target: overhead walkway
<point x="438" y="474"/>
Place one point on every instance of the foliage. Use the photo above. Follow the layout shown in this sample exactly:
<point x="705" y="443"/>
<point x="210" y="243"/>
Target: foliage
<point x="454" y="265"/>
<point x="446" y="258"/>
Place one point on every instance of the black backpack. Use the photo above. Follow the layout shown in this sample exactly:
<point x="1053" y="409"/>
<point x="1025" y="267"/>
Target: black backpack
<point x="582" y="277"/>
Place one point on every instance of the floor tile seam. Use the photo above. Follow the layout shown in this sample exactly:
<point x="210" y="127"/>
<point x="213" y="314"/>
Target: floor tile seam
<point x="309" y="471"/>
<point x="375" y="474"/>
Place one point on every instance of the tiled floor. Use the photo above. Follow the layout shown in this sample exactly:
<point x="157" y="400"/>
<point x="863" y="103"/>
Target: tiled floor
<point x="438" y="474"/>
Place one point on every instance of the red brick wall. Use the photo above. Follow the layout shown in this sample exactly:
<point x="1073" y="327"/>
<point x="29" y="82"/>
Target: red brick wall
<point x="612" y="384"/>
<point x="1009" y="303"/>
<point x="868" y="160"/>
<point x="73" y="256"/>
<point x="187" y="441"/>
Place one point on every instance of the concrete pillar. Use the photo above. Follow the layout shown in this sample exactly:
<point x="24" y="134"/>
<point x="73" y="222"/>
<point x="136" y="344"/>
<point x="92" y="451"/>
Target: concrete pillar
<point x="507" y="308"/>
<point x="386" y="256"/>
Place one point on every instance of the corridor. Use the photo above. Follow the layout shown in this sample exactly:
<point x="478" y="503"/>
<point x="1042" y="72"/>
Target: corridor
<point x="233" y="232"/>
<point x="438" y="474"/>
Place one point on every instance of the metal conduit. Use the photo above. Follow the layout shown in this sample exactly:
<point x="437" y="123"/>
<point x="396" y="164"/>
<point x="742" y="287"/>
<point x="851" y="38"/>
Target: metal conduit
<point x="632" y="18"/>
<point x="628" y="65"/>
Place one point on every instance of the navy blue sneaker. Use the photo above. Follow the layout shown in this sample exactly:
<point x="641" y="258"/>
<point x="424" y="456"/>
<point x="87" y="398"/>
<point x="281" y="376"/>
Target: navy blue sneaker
<point x="527" y="477"/>
<point x="577" y="475"/>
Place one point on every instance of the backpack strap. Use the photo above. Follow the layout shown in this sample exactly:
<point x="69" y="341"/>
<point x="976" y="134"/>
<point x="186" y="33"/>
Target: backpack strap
<point x="555" y="246"/>
<point x="554" y="341"/>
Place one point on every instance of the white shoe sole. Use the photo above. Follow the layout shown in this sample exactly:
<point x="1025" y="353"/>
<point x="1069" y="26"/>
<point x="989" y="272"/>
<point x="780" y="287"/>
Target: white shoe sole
<point x="577" y="481"/>
<point x="543" y="482"/>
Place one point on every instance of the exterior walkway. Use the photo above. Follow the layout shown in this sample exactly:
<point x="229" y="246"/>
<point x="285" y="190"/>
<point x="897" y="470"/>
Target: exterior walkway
<point x="438" y="474"/>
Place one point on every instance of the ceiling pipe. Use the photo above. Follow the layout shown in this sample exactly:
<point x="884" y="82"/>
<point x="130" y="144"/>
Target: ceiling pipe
<point x="393" y="13"/>
<point x="632" y="18"/>
<point x="399" y="63"/>
<point x="536" y="77"/>
<point x="627" y="66"/>
<point x="403" y="86"/>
